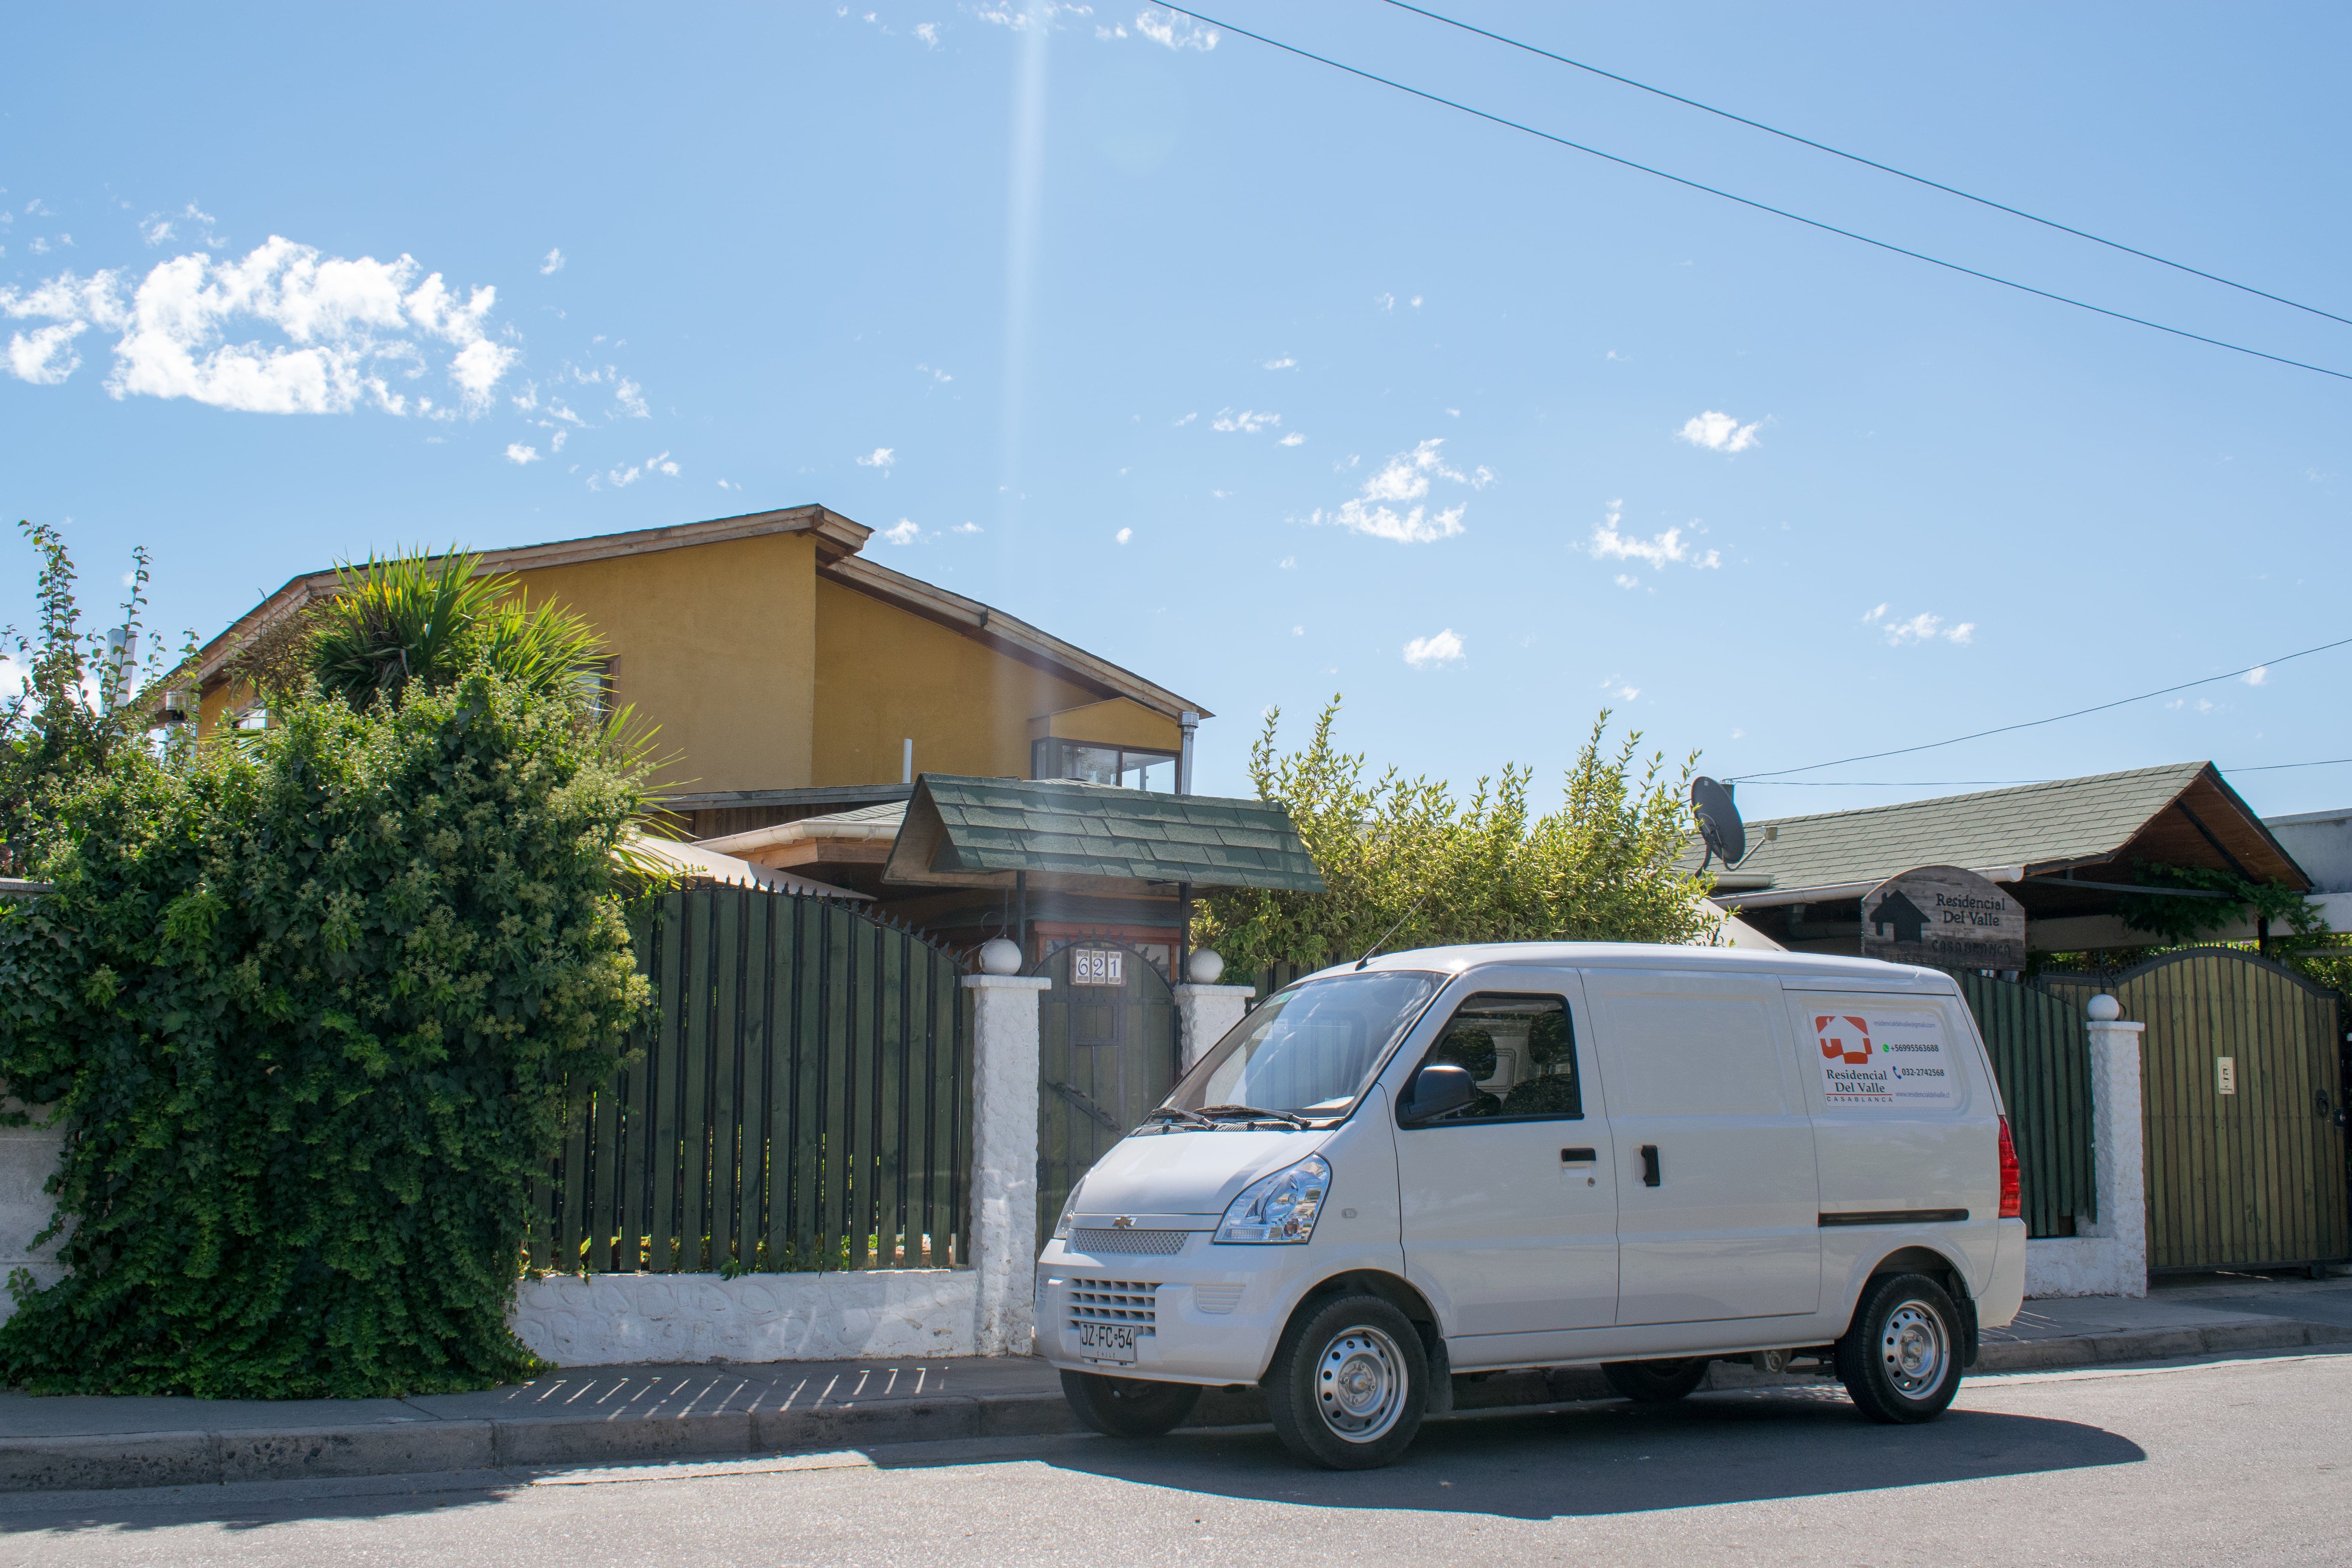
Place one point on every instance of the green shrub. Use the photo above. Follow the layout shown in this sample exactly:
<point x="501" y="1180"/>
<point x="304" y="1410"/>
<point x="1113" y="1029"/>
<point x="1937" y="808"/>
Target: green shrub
<point x="304" y="1001"/>
<point x="1405" y="854"/>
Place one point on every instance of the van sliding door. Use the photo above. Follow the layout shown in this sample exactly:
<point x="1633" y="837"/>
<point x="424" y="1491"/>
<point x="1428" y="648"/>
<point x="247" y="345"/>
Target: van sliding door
<point x="1718" y="1199"/>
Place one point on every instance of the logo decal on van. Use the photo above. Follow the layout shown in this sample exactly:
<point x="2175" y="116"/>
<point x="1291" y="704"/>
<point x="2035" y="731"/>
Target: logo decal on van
<point x="1842" y="1036"/>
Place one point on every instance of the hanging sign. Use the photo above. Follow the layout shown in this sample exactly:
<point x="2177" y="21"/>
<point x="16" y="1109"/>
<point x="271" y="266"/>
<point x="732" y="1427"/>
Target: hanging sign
<point x="1945" y="918"/>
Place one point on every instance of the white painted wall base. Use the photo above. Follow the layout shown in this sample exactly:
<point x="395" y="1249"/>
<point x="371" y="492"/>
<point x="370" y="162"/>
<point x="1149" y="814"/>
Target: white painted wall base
<point x="2083" y="1265"/>
<point x="28" y="1158"/>
<point x="609" y="1318"/>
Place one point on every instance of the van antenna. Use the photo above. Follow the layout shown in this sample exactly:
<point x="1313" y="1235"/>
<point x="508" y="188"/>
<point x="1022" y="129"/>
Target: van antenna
<point x="1393" y="929"/>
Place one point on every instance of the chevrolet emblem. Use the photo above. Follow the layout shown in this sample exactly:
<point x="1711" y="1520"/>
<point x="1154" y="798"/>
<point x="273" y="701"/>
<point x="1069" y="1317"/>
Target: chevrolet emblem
<point x="1124" y="1222"/>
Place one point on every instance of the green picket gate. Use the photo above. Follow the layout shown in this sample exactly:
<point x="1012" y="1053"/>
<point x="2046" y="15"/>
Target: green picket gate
<point x="2041" y="1059"/>
<point x="799" y="1101"/>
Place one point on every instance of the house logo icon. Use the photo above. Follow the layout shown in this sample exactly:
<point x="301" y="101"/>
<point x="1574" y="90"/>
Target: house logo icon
<point x="1842" y="1036"/>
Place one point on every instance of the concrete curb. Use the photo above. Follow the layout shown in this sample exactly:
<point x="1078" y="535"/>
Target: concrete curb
<point x="416" y="1448"/>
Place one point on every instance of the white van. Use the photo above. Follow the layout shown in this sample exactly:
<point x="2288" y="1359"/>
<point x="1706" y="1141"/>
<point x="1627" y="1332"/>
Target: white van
<point x="1469" y="1158"/>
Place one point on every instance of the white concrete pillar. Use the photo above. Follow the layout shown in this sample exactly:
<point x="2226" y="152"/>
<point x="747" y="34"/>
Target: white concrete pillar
<point x="2108" y="1255"/>
<point x="28" y="1158"/>
<point x="2118" y="1146"/>
<point x="1004" y="1158"/>
<point x="1204" y="1014"/>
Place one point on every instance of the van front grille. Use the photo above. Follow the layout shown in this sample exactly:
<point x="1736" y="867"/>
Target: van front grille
<point x="1217" y="1297"/>
<point x="1103" y="1238"/>
<point x="1114" y="1301"/>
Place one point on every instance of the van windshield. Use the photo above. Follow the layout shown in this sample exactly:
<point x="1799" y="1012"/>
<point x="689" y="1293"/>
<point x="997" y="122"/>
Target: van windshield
<point x="1309" y="1050"/>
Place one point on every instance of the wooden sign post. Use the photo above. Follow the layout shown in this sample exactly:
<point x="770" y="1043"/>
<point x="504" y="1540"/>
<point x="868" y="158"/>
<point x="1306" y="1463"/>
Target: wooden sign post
<point x="1943" y="916"/>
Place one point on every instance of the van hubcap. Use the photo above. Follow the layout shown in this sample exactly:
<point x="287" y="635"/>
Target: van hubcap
<point x="1912" y="1346"/>
<point x="1359" y="1383"/>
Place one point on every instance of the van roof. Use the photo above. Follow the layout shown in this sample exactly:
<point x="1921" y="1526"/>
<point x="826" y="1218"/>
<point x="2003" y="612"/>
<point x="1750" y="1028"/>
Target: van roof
<point x="1810" y="968"/>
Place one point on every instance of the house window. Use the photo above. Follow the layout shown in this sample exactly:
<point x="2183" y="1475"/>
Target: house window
<point x="1124" y="766"/>
<point x="597" y="682"/>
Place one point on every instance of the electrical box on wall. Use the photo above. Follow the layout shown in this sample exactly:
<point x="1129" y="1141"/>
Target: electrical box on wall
<point x="2225" y="1075"/>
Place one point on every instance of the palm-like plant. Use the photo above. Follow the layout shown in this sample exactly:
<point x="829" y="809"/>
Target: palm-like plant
<point x="427" y="619"/>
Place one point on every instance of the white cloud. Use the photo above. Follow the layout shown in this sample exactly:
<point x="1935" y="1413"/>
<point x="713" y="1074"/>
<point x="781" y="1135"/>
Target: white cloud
<point x="903" y="532"/>
<point x="349" y="327"/>
<point x="1627" y="694"/>
<point x="1249" y="422"/>
<point x="1878" y="614"/>
<point x="1720" y="433"/>
<point x="1660" y="550"/>
<point x="938" y="377"/>
<point x="553" y="263"/>
<point x="930" y="33"/>
<point x="1123" y="535"/>
<point x="1298" y="631"/>
<point x="1922" y="628"/>
<point x="882" y="458"/>
<point x="1188" y="419"/>
<point x="1170" y="30"/>
<point x="631" y="397"/>
<point x="156" y="228"/>
<point x="1288" y="564"/>
<point x="729" y="485"/>
<point x="620" y="478"/>
<point x="966" y="528"/>
<point x="1416" y="302"/>
<point x="1286" y="363"/>
<point x="1385" y="301"/>
<point x="1293" y="439"/>
<point x="1404" y="478"/>
<point x="1626" y="580"/>
<point x="46" y="357"/>
<point x="1442" y="648"/>
<point x="2257" y="675"/>
<point x="519" y="454"/>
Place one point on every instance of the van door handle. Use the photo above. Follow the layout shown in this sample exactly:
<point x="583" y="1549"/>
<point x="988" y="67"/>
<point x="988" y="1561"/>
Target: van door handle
<point x="1650" y="1177"/>
<point x="1577" y="1157"/>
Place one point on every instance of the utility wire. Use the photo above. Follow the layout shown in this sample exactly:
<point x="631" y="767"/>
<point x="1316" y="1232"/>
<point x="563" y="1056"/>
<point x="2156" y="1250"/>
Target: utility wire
<point x="1874" y="163"/>
<point x="1760" y="207"/>
<point x="2053" y="718"/>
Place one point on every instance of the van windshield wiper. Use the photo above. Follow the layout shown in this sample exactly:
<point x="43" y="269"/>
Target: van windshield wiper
<point x="1178" y="1113"/>
<point x="1250" y="1113"/>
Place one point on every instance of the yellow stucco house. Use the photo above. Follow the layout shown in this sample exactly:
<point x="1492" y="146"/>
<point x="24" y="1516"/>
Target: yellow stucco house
<point x="793" y="677"/>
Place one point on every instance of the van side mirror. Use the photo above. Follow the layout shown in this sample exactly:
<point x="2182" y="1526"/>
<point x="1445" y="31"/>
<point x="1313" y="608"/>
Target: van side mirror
<point x="1437" y="1088"/>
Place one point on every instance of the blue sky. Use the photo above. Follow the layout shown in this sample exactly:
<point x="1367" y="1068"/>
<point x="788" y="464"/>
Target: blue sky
<point x="1262" y="381"/>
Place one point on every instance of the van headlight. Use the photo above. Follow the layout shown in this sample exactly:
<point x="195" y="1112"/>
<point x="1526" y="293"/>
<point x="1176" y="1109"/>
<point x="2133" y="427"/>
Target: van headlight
<point x="1069" y="1207"/>
<point x="1280" y="1208"/>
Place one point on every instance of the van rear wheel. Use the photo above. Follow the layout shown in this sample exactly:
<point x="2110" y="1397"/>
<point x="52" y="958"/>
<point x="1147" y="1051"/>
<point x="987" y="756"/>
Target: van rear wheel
<point x="1655" y="1382"/>
<point x="1128" y="1406"/>
<point x="1900" y="1360"/>
<point x="1348" y="1383"/>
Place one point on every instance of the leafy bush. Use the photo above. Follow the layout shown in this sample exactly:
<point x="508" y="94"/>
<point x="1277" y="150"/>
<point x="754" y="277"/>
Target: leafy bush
<point x="1405" y="854"/>
<point x="304" y="1001"/>
<point x="411" y="618"/>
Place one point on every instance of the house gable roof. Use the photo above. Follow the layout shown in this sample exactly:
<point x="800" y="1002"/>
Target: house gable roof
<point x="977" y="832"/>
<point x="2181" y="814"/>
<point x="838" y="541"/>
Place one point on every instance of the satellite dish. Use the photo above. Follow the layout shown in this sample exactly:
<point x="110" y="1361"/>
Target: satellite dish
<point x="1718" y="820"/>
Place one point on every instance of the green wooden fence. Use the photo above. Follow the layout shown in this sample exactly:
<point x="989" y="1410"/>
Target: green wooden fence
<point x="2254" y="1176"/>
<point x="800" y="1102"/>
<point x="2041" y="1058"/>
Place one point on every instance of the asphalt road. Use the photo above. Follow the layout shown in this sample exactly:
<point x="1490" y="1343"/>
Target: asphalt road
<point x="2220" y="1463"/>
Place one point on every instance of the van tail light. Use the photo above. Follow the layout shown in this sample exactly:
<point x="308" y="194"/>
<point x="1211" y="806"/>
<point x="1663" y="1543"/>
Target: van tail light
<point x="2010" y="1207"/>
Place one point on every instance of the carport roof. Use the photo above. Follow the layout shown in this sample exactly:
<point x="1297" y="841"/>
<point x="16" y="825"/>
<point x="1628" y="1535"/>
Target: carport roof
<point x="962" y="832"/>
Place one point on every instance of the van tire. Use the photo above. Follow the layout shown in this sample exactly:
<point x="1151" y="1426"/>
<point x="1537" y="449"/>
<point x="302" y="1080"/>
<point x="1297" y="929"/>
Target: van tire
<point x="1348" y="1383"/>
<point x="1128" y="1406"/>
<point x="1900" y="1360"/>
<point x="1655" y="1382"/>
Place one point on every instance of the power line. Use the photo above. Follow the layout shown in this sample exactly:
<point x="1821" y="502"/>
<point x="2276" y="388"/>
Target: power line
<point x="1747" y="202"/>
<point x="2274" y="767"/>
<point x="2053" y="718"/>
<point x="1874" y="163"/>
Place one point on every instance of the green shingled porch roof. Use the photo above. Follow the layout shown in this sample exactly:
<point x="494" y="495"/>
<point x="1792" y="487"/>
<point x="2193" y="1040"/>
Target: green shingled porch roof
<point x="1082" y="829"/>
<point x="2065" y="821"/>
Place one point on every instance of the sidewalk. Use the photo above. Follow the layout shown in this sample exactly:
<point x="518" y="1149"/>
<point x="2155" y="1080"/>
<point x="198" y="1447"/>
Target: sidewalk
<point x="642" y="1414"/>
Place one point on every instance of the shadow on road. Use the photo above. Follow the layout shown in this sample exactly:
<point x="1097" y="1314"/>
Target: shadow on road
<point x="1610" y="1459"/>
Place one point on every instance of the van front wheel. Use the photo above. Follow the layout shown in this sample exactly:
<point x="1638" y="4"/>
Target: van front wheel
<point x="1128" y="1406"/>
<point x="1900" y="1358"/>
<point x="1348" y="1384"/>
<point x="1655" y="1382"/>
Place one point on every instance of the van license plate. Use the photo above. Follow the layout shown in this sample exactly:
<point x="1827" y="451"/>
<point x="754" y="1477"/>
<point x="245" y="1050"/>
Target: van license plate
<point x="1108" y="1341"/>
